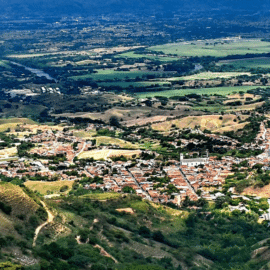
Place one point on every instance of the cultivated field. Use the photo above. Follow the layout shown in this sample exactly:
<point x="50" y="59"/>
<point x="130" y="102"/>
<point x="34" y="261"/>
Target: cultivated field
<point x="258" y="62"/>
<point x="215" y="48"/>
<point x="108" y="153"/>
<point x="111" y="74"/>
<point x="52" y="187"/>
<point x="209" y="76"/>
<point x="215" y="123"/>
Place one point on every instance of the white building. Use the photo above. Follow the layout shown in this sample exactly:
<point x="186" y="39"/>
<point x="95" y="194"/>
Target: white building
<point x="191" y="162"/>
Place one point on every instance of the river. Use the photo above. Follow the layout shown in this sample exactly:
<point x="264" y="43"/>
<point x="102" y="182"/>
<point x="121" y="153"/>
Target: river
<point x="38" y="72"/>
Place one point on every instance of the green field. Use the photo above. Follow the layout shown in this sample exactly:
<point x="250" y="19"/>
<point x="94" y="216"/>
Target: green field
<point x="202" y="91"/>
<point x="101" y="196"/>
<point x="150" y="57"/>
<point x="134" y="84"/>
<point x="263" y="62"/>
<point x="209" y="76"/>
<point x="215" y="48"/>
<point x="4" y="63"/>
<point x="110" y="74"/>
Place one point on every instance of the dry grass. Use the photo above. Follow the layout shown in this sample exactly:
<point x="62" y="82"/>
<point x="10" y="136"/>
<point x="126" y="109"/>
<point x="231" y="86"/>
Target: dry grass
<point x="53" y="187"/>
<point x="249" y="107"/>
<point x="108" y="153"/>
<point x="115" y="141"/>
<point x="20" y="202"/>
<point x="12" y="123"/>
<point x="215" y="123"/>
<point x="261" y="192"/>
<point x="8" y="152"/>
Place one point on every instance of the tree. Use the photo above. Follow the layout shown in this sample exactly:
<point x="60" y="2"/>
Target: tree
<point x="114" y="121"/>
<point x="128" y="189"/>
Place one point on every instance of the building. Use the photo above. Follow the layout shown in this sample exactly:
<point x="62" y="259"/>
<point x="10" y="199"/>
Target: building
<point x="192" y="162"/>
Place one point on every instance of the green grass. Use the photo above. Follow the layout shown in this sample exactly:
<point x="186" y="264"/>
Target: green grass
<point x="248" y="63"/>
<point x="150" y="57"/>
<point x="209" y="76"/>
<point x="3" y="63"/>
<point x="102" y="196"/>
<point x="134" y="84"/>
<point x="202" y="91"/>
<point x="215" y="48"/>
<point x="110" y="74"/>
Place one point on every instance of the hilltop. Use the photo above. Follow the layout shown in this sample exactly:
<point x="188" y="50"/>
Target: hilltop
<point x="79" y="7"/>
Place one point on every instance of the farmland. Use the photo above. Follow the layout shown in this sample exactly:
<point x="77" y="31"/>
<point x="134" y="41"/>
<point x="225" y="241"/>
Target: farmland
<point x="209" y="76"/>
<point x="253" y="63"/>
<point x="215" y="48"/>
<point x="222" y="91"/>
<point x="111" y="74"/>
<point x="45" y="188"/>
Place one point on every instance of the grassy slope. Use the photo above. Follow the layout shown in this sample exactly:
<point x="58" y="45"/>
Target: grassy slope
<point x="210" y="122"/>
<point x="43" y="187"/>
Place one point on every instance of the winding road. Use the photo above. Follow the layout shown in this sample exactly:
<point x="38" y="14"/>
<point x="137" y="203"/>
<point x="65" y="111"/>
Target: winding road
<point x="49" y="220"/>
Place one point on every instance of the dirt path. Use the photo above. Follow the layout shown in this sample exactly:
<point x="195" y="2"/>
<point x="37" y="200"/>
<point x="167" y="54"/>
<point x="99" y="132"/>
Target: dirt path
<point x="103" y="252"/>
<point x="39" y="228"/>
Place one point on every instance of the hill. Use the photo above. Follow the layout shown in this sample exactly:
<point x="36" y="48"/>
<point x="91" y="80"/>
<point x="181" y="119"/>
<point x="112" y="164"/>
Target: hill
<point x="60" y="7"/>
<point x="20" y="214"/>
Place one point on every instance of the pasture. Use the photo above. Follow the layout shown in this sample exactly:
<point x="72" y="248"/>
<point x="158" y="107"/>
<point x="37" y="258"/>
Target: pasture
<point x="135" y="84"/>
<point x="101" y="196"/>
<point x="111" y="74"/>
<point x="12" y="123"/>
<point x="223" y="91"/>
<point x="134" y="55"/>
<point x="258" y="62"/>
<point x="215" y="48"/>
<point x="102" y="140"/>
<point x="215" y="123"/>
<point x="49" y="187"/>
<point x="209" y="76"/>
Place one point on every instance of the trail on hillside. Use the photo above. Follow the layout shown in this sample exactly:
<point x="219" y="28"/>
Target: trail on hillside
<point x="49" y="220"/>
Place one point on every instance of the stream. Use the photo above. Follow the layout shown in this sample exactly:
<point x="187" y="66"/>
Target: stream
<point x="38" y="72"/>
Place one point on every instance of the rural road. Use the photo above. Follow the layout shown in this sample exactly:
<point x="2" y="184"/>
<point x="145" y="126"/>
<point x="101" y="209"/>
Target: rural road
<point x="77" y="154"/>
<point x="49" y="220"/>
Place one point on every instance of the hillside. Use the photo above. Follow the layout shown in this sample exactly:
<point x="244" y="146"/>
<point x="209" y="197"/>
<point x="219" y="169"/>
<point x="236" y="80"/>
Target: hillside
<point x="34" y="7"/>
<point x="20" y="214"/>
